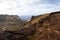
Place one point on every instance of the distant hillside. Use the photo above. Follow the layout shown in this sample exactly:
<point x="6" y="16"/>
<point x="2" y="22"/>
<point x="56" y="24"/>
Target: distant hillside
<point x="25" y="17"/>
<point x="10" y="22"/>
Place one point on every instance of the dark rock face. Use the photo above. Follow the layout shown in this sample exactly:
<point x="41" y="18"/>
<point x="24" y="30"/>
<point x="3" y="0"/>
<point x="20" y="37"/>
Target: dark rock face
<point x="9" y="24"/>
<point x="47" y="28"/>
<point x="44" y="27"/>
<point x="11" y="35"/>
<point x="50" y="27"/>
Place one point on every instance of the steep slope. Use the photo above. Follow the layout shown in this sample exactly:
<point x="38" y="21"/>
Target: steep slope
<point x="41" y="27"/>
<point x="44" y="27"/>
<point x="10" y="22"/>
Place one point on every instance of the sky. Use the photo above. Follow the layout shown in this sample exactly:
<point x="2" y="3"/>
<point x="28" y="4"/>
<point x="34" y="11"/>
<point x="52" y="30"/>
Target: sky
<point x="28" y="7"/>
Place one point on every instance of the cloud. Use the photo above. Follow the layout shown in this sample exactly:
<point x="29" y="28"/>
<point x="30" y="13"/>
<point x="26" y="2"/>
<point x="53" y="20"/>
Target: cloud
<point x="28" y="7"/>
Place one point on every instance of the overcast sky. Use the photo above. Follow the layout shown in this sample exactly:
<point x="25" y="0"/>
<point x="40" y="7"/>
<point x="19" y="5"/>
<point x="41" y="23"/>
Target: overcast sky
<point x="28" y="7"/>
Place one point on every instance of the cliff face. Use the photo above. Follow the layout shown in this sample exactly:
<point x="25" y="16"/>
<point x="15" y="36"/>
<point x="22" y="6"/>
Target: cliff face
<point x="44" y="27"/>
<point x="10" y="22"/>
<point x="41" y="27"/>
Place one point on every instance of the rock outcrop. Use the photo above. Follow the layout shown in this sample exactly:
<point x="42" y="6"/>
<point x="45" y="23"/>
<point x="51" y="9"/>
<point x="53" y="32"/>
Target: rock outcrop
<point x="10" y="22"/>
<point x="42" y="27"/>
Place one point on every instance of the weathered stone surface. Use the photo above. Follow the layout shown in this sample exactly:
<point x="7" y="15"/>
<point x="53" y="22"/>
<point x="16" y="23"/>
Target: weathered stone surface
<point x="44" y="27"/>
<point x="10" y="22"/>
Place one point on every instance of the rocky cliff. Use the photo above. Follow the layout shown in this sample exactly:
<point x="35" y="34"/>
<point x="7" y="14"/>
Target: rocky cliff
<point x="10" y="22"/>
<point x="41" y="27"/>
